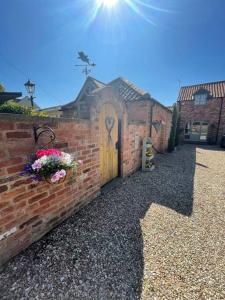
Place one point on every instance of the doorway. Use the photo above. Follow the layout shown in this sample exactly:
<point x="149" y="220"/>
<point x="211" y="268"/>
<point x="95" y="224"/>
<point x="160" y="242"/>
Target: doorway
<point x="108" y="130"/>
<point x="196" y="131"/>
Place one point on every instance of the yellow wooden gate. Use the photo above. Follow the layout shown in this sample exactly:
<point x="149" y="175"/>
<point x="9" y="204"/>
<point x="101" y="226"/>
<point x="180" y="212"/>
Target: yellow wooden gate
<point x="108" y="129"/>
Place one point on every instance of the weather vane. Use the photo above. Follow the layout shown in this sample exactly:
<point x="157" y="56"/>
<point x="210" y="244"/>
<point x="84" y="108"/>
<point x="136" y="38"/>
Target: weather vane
<point x="88" y="64"/>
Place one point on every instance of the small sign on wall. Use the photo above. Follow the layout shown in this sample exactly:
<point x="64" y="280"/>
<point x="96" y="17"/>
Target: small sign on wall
<point x="147" y="155"/>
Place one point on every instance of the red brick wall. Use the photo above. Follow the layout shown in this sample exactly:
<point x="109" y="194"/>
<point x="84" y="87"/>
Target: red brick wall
<point x="28" y="210"/>
<point x="160" y="138"/>
<point x="132" y="149"/>
<point x="209" y="112"/>
<point x="222" y="121"/>
<point x="31" y="209"/>
<point x="141" y="111"/>
<point x="138" y="111"/>
<point x="139" y="127"/>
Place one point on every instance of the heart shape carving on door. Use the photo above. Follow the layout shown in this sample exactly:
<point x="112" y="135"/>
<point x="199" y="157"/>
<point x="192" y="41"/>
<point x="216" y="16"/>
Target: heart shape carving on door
<point x="109" y="124"/>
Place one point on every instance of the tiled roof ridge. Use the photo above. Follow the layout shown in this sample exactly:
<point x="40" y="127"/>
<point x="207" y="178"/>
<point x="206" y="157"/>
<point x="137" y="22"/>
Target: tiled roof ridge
<point x="215" y="88"/>
<point x="130" y="85"/>
<point x="199" y="84"/>
<point x="92" y="78"/>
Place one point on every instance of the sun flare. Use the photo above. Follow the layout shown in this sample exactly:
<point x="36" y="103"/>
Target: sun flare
<point x="108" y="3"/>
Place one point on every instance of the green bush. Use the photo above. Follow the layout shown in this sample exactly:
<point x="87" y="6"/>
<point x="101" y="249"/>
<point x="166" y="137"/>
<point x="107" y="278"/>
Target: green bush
<point x="172" y="138"/>
<point x="14" y="108"/>
<point x="178" y="132"/>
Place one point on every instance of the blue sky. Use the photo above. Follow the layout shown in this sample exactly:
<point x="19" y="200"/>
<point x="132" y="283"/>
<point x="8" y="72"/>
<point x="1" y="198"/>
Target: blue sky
<point x="154" y="47"/>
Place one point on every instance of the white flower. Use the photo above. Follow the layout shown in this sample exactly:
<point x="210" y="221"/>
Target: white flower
<point x="44" y="159"/>
<point x="66" y="158"/>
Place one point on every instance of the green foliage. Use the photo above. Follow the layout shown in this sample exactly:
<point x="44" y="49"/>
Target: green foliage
<point x="2" y="88"/>
<point x="52" y="167"/>
<point x="172" y="138"/>
<point x="14" y="108"/>
<point x="39" y="114"/>
<point x="178" y="131"/>
<point x="11" y="107"/>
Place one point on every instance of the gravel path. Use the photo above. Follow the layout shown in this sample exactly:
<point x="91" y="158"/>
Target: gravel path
<point x="158" y="235"/>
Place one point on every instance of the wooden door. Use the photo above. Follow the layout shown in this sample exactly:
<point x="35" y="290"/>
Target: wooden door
<point x="108" y="129"/>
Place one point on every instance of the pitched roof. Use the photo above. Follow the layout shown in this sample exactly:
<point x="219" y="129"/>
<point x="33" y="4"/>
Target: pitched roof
<point x="215" y="89"/>
<point x="127" y="90"/>
<point x="5" y="96"/>
<point x="25" y="101"/>
<point x="89" y="86"/>
<point x="58" y="107"/>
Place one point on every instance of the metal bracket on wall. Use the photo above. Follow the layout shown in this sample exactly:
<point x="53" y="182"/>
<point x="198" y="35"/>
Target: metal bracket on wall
<point x="40" y="131"/>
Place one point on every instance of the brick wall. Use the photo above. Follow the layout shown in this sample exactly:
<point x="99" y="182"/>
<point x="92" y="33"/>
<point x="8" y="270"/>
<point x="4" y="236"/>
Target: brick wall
<point x="160" y="137"/>
<point x="132" y="151"/>
<point x="139" y="127"/>
<point x="222" y="121"/>
<point x="208" y="112"/>
<point x="28" y="209"/>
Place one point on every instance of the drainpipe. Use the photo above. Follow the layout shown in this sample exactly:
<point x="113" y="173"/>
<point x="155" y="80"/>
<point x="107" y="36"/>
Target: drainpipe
<point x="150" y="133"/>
<point x="151" y="119"/>
<point x="218" y="128"/>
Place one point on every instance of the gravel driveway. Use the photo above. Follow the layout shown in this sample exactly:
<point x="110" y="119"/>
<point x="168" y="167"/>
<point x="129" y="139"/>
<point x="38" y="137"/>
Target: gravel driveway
<point x="158" y="235"/>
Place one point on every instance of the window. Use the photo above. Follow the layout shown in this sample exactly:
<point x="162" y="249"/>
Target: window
<point x="187" y="131"/>
<point x="196" y="131"/>
<point x="187" y="128"/>
<point x="200" y="99"/>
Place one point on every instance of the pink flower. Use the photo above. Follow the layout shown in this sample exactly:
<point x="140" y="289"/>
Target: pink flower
<point x="59" y="174"/>
<point x="62" y="173"/>
<point x="55" y="178"/>
<point x="48" y="152"/>
<point x="36" y="165"/>
<point x="80" y="162"/>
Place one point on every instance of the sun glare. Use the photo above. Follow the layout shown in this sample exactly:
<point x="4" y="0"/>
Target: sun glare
<point x="108" y="3"/>
<point x="142" y="8"/>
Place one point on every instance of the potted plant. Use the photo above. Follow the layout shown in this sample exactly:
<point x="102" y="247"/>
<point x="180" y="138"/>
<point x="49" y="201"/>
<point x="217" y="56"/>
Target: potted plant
<point x="51" y="165"/>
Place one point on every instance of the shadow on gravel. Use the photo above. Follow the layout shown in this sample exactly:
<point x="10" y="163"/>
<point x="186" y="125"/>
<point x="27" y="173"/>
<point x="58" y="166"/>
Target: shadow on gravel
<point x="98" y="252"/>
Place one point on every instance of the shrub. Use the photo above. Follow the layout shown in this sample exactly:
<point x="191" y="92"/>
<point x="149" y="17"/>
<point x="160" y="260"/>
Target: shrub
<point x="14" y="108"/>
<point x="172" y="138"/>
<point x="178" y="132"/>
<point x="39" y="114"/>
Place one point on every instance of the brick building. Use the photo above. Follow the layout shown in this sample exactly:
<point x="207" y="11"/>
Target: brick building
<point x="104" y="127"/>
<point x="202" y="112"/>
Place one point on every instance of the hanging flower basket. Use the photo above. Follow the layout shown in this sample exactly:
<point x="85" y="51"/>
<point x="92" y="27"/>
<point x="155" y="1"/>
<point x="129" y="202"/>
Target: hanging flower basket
<point x="51" y="165"/>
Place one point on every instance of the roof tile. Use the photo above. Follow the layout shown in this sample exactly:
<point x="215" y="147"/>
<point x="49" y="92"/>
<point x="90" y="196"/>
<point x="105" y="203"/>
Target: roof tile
<point x="216" y="89"/>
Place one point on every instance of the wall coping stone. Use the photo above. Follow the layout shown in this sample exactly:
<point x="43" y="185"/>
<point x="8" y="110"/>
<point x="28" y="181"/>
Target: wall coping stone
<point x="35" y="119"/>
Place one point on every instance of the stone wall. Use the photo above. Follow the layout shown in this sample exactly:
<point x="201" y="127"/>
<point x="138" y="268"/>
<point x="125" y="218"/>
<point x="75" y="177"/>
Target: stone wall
<point x="208" y="112"/>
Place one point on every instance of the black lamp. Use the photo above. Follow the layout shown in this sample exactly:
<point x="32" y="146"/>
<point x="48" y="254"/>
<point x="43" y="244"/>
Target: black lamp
<point x="30" y="87"/>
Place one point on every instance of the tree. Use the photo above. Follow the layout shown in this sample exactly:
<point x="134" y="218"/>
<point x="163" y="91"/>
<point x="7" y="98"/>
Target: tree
<point x="178" y="131"/>
<point x="172" y="138"/>
<point x="2" y="89"/>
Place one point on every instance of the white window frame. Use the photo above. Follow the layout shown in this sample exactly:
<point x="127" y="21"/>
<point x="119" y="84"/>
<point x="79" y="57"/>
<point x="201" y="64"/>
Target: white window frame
<point x="200" y="99"/>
